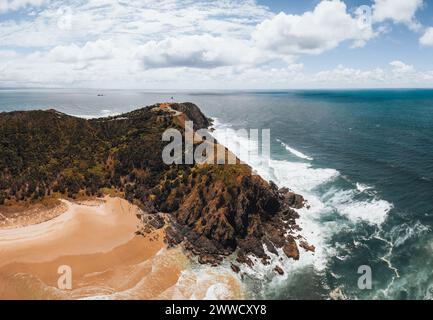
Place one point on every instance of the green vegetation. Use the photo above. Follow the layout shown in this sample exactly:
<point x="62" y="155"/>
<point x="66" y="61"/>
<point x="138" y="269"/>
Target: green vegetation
<point x="217" y="208"/>
<point x="42" y="152"/>
<point x="46" y="152"/>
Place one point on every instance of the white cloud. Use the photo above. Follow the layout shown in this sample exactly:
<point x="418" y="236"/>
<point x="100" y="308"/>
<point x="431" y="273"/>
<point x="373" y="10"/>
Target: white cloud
<point x="190" y="44"/>
<point x="398" y="11"/>
<point x="13" y="5"/>
<point x="133" y="20"/>
<point x="427" y="38"/>
<point x="399" y="75"/>
<point x="204" y="51"/>
<point x="122" y="70"/>
<point x="345" y="76"/>
<point x="7" y="54"/>
<point x="313" y="32"/>
<point x="100" y="49"/>
<point x="401" y="67"/>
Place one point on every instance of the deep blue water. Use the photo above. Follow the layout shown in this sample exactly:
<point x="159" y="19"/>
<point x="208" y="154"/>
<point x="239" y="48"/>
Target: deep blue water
<point x="363" y="159"/>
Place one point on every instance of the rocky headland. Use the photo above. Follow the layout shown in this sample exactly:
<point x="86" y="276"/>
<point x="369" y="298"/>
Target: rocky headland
<point x="213" y="211"/>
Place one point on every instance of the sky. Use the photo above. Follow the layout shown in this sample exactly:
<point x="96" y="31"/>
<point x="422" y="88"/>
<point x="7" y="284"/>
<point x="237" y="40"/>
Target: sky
<point x="227" y="44"/>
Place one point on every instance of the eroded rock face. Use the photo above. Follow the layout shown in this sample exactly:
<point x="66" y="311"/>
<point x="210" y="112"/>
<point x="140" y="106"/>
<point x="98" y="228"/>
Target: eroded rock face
<point x="293" y="200"/>
<point x="193" y="113"/>
<point x="291" y="249"/>
<point x="244" y="213"/>
<point x="225" y="209"/>
<point x="307" y="247"/>
<point x="172" y="236"/>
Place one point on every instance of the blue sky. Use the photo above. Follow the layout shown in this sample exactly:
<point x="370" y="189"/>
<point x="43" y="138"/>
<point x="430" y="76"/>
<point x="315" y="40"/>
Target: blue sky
<point x="399" y="43"/>
<point x="244" y="44"/>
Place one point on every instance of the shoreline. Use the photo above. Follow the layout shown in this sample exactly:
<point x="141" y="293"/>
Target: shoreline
<point x="108" y="260"/>
<point x="89" y="230"/>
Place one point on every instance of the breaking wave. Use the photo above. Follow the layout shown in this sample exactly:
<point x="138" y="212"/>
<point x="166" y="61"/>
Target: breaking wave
<point x="334" y="203"/>
<point x="295" y="152"/>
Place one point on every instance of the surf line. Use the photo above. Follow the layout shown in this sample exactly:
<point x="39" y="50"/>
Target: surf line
<point x="176" y="310"/>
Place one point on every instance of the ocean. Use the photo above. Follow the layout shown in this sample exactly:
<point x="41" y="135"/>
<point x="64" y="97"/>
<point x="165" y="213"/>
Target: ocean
<point x="362" y="158"/>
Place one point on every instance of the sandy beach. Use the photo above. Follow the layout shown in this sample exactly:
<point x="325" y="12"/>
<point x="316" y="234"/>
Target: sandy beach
<point x="17" y="216"/>
<point x="108" y="261"/>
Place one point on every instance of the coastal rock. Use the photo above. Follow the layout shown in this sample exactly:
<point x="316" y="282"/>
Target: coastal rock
<point x="270" y="246"/>
<point x="241" y="258"/>
<point x="295" y="200"/>
<point x="235" y="268"/>
<point x="291" y="249"/>
<point x="153" y="221"/>
<point x="172" y="237"/>
<point x="148" y="207"/>
<point x="209" y="259"/>
<point x="275" y="234"/>
<point x="157" y="221"/>
<point x="304" y="244"/>
<point x="279" y="270"/>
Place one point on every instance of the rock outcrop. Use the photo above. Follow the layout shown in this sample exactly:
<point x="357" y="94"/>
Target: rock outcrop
<point x="228" y="209"/>
<point x="193" y="113"/>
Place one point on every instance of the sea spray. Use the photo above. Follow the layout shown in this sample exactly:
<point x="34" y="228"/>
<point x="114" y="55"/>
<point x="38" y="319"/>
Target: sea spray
<point x="329" y="205"/>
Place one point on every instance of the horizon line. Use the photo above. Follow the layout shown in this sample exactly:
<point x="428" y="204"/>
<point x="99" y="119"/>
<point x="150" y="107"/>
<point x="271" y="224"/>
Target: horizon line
<point x="215" y="89"/>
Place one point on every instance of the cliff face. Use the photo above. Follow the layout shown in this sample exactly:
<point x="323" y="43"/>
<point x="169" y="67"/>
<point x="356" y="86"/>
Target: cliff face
<point x="227" y="209"/>
<point x="214" y="210"/>
<point x="193" y="113"/>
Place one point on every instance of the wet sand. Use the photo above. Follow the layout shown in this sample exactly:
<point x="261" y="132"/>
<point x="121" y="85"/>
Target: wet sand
<point x="108" y="261"/>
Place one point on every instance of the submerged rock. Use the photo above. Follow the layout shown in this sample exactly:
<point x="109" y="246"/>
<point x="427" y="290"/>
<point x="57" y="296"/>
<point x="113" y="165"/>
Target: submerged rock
<point x="235" y="268"/>
<point x="279" y="270"/>
<point x="304" y="244"/>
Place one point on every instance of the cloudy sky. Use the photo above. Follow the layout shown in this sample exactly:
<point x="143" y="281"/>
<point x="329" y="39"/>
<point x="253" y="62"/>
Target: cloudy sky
<point x="243" y="44"/>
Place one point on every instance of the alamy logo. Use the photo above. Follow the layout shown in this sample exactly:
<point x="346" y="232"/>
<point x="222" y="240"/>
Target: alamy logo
<point x="64" y="20"/>
<point x="365" y="281"/>
<point x="65" y="280"/>
<point x="364" y="14"/>
<point x="200" y="147"/>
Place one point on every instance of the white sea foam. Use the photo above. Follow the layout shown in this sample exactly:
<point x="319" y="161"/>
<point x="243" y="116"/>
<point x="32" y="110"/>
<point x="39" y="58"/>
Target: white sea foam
<point x="86" y="116"/>
<point x="303" y="178"/>
<point x="102" y="114"/>
<point x="218" y="291"/>
<point x="208" y="283"/>
<point x="362" y="187"/>
<point x="297" y="153"/>
<point x="373" y="211"/>
<point x="402" y="233"/>
<point x="299" y="177"/>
